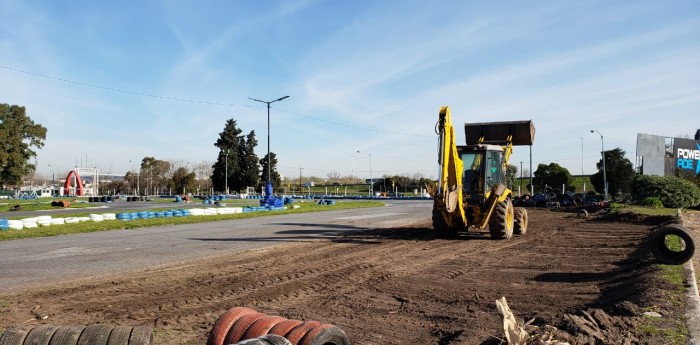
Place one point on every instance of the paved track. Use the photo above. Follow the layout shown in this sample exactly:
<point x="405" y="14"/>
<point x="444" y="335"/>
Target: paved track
<point x="38" y="262"/>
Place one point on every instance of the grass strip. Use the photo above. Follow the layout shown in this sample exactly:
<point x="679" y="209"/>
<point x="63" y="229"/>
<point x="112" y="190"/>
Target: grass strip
<point x="90" y="226"/>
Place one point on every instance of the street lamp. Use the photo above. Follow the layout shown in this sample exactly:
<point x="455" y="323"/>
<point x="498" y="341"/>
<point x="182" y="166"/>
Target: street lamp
<point x="268" y="187"/>
<point x="371" y="183"/>
<point x="605" y="178"/>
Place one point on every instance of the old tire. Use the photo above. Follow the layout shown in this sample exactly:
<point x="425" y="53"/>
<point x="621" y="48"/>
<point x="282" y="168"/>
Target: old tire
<point x="67" y="335"/>
<point x="141" y="335"/>
<point x="521" y="220"/>
<point x="284" y="327"/>
<point x="663" y="253"/>
<point x="325" y="334"/>
<point x="95" y="335"/>
<point x="274" y="339"/>
<point x="502" y="220"/>
<point x="224" y="323"/>
<point x="583" y="214"/>
<point x="441" y="228"/>
<point x="13" y="336"/>
<point x="298" y="333"/>
<point x="238" y="329"/>
<point x="120" y="335"/>
<point x="262" y="326"/>
<point x="40" y="335"/>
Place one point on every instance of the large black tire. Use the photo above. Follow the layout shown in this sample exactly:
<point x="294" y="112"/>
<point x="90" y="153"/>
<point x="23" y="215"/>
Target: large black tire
<point x="13" y="336"/>
<point x="441" y="228"/>
<point x="665" y="255"/>
<point x="141" y="335"/>
<point x="502" y="220"/>
<point x="95" y="335"/>
<point x="40" y="335"/>
<point x="120" y="335"/>
<point x="67" y="335"/>
<point x="521" y="221"/>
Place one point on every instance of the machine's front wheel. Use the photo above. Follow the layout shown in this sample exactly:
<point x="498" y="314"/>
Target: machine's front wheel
<point x="441" y="228"/>
<point x="502" y="220"/>
<point x="521" y="220"/>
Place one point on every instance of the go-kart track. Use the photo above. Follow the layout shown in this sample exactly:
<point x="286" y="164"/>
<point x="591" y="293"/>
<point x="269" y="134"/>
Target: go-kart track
<point x="380" y="274"/>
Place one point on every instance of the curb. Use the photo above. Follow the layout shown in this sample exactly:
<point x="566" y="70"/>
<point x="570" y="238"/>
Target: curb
<point x="693" y="298"/>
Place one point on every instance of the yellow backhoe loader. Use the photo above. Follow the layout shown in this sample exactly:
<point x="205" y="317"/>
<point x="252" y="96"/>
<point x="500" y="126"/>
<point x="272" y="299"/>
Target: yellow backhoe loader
<point x="471" y="189"/>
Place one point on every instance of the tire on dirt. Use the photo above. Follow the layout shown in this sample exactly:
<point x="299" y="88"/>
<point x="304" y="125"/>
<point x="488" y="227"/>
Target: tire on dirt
<point x="224" y="323"/>
<point x="298" y="333"/>
<point x="141" y="335"/>
<point x="274" y="339"/>
<point x="284" y="327"/>
<point x="583" y="214"/>
<point x="521" y="220"/>
<point x="120" y="335"/>
<point x="40" y="335"/>
<point x="502" y="220"/>
<point x="325" y="334"/>
<point x="67" y="335"/>
<point x="238" y="329"/>
<point x="95" y="335"/>
<point x="262" y="326"/>
<point x="13" y="336"/>
<point x="665" y="255"/>
<point x="441" y="228"/>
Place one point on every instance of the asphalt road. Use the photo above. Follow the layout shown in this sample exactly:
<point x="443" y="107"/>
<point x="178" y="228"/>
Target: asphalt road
<point x="41" y="262"/>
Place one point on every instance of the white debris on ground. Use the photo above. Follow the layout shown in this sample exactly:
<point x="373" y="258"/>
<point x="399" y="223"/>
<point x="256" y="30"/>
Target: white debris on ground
<point x="515" y="330"/>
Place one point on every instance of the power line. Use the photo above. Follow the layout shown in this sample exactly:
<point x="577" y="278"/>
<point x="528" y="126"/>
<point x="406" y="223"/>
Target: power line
<point x="202" y="102"/>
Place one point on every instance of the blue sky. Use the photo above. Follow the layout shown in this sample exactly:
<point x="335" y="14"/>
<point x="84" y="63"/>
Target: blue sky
<point x="114" y="82"/>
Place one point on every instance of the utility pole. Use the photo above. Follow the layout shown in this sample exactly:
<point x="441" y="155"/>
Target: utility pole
<point x="521" y="175"/>
<point x="300" y="169"/>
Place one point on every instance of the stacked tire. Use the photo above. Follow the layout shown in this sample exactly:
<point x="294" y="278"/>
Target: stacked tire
<point x="78" y="335"/>
<point x="241" y="324"/>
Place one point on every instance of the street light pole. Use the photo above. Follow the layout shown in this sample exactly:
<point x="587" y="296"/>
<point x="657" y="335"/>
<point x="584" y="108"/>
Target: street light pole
<point x="582" y="173"/>
<point x="268" y="187"/>
<point x="605" y="178"/>
<point x="371" y="183"/>
<point x="226" y="173"/>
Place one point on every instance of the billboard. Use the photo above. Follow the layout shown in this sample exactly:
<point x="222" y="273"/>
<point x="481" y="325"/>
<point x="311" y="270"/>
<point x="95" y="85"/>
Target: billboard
<point x="686" y="156"/>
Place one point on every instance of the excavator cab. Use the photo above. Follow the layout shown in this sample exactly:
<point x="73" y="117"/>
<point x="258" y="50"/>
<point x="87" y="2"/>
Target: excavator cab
<point x="483" y="168"/>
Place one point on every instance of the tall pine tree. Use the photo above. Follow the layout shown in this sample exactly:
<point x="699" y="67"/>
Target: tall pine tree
<point x="237" y="165"/>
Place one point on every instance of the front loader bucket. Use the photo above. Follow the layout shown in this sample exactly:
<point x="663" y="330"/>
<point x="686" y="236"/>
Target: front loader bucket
<point x="496" y="133"/>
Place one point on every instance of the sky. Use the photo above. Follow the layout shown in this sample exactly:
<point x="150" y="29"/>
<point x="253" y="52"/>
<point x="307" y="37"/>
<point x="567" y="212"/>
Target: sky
<point x="114" y="82"/>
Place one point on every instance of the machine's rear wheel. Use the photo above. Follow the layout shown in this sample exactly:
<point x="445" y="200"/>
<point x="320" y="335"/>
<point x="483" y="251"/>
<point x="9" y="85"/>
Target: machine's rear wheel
<point x="441" y="228"/>
<point x="502" y="220"/>
<point x="521" y="220"/>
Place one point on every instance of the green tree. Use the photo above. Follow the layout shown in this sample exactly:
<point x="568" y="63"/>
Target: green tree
<point x="183" y="181"/>
<point x="249" y="174"/>
<point x="275" y="178"/>
<point x="552" y="175"/>
<point x="237" y="157"/>
<point x="18" y="134"/>
<point x="153" y="175"/>
<point x="226" y="164"/>
<point x="619" y="172"/>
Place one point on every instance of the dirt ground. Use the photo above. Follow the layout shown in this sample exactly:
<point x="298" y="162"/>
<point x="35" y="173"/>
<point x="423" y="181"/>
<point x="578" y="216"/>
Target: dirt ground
<point x="591" y="279"/>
